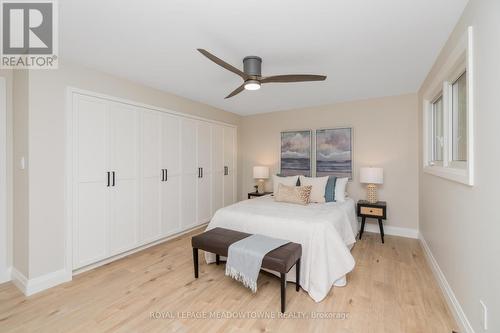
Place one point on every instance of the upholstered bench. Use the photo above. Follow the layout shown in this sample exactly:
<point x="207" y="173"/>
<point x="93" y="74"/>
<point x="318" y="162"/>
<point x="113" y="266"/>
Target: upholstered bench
<point x="281" y="260"/>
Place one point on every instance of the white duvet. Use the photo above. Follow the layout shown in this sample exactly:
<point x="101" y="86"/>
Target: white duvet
<point x="326" y="231"/>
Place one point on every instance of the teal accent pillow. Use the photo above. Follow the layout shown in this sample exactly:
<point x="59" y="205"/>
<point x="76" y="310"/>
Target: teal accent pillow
<point x="330" y="189"/>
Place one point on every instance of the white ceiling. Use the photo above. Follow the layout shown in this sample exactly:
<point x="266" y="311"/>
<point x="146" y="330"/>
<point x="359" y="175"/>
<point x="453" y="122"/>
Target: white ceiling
<point x="368" y="48"/>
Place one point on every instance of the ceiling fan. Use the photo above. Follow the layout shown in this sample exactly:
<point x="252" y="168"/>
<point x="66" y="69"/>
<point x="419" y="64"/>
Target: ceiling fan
<point x="251" y="74"/>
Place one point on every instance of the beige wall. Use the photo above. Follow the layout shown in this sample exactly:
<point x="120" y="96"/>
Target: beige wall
<point x="47" y="125"/>
<point x="385" y="135"/>
<point x="459" y="222"/>
<point x="21" y="177"/>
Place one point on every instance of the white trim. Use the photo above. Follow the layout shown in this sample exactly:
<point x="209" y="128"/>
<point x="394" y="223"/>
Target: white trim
<point x="449" y="70"/>
<point x="392" y="230"/>
<point x="68" y="196"/>
<point x="35" y="285"/>
<point x="138" y="249"/>
<point x="448" y="293"/>
<point x="4" y="243"/>
<point x="19" y="280"/>
<point x="470" y="104"/>
<point x="72" y="90"/>
<point x="32" y="286"/>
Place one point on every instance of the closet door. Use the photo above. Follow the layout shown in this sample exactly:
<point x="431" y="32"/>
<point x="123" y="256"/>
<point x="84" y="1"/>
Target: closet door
<point x="152" y="176"/>
<point x="90" y="191"/>
<point x="124" y="190"/>
<point x="189" y="178"/>
<point x="229" y="165"/>
<point x="171" y="187"/>
<point x="204" y="147"/>
<point x="217" y="167"/>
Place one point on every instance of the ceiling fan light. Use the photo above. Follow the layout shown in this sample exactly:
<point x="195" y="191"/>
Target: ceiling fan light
<point x="252" y="85"/>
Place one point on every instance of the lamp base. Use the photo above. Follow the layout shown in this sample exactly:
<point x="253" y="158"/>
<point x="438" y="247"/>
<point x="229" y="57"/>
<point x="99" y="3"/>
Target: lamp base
<point x="371" y="193"/>
<point x="260" y="186"/>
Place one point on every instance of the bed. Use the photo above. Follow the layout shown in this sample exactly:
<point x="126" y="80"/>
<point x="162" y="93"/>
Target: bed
<point x="326" y="231"/>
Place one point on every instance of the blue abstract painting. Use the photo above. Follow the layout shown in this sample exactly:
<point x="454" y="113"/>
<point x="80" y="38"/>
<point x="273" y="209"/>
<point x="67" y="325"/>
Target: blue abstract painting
<point x="296" y="153"/>
<point x="334" y="152"/>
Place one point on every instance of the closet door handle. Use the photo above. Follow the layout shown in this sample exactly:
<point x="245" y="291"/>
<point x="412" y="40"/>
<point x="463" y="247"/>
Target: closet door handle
<point x="114" y="179"/>
<point x="108" y="178"/>
<point x="162" y="175"/>
<point x="226" y="171"/>
<point x="201" y="172"/>
<point x="166" y="174"/>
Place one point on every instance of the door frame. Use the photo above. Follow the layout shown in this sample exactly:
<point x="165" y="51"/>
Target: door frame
<point x="70" y="91"/>
<point x="4" y="241"/>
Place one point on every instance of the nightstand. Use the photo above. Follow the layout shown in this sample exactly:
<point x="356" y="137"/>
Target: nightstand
<point x="376" y="210"/>
<point x="257" y="194"/>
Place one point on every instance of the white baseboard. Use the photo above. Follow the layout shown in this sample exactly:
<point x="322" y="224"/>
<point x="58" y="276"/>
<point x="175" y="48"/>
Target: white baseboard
<point x="6" y="275"/>
<point x="448" y="293"/>
<point x="19" y="280"/>
<point x="35" y="285"/>
<point x="393" y="231"/>
<point x="137" y="249"/>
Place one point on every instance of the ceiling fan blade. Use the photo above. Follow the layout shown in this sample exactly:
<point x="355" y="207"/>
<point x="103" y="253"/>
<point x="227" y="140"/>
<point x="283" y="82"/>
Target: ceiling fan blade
<point x="236" y="91"/>
<point x="292" y="78"/>
<point x="222" y="63"/>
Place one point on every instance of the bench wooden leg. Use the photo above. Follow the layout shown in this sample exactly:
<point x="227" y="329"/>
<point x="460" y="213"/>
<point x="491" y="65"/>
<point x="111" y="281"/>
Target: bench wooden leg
<point x="297" y="275"/>
<point x="217" y="259"/>
<point x="283" y="292"/>
<point x="195" y="262"/>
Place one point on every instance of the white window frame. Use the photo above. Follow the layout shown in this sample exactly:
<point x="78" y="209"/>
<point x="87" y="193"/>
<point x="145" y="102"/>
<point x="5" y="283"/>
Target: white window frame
<point x="432" y="147"/>
<point x="460" y="60"/>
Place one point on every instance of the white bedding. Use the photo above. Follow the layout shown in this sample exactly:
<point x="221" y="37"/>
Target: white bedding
<point x="326" y="231"/>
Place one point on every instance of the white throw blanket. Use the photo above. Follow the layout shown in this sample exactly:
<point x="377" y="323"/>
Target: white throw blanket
<point x="326" y="232"/>
<point x="244" y="258"/>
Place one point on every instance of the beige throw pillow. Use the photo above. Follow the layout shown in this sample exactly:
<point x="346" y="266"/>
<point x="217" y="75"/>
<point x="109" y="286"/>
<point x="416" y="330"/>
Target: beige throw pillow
<point x="293" y="194"/>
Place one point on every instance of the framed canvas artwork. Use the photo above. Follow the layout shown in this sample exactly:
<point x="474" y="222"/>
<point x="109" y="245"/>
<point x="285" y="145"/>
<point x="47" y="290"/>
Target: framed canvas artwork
<point x="334" y="152"/>
<point x="296" y="153"/>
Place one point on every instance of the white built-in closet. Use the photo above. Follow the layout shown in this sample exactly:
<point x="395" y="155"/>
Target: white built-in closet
<point x="140" y="175"/>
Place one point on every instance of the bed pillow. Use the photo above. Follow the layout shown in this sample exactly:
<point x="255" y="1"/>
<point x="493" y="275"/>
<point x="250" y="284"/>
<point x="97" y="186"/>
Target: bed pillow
<point x="340" y="189"/>
<point x="298" y="179"/>
<point x="289" y="181"/>
<point x="330" y="189"/>
<point x="293" y="194"/>
<point x="318" y="187"/>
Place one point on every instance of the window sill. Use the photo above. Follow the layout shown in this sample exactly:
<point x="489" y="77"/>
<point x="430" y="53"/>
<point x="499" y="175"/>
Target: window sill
<point x="457" y="175"/>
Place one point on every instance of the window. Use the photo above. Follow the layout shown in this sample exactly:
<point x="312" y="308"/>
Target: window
<point x="459" y="116"/>
<point x="437" y="130"/>
<point x="448" y="116"/>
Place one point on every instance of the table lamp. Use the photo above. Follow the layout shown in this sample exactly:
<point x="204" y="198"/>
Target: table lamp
<point x="371" y="176"/>
<point x="261" y="173"/>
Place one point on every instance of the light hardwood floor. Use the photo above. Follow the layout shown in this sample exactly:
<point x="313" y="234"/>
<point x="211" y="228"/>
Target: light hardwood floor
<point x="391" y="289"/>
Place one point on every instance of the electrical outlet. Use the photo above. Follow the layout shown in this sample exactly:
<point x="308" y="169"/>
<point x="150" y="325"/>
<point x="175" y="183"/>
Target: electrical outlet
<point x="485" y="315"/>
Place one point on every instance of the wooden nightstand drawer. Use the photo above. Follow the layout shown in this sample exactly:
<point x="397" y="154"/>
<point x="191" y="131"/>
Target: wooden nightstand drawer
<point x="371" y="211"/>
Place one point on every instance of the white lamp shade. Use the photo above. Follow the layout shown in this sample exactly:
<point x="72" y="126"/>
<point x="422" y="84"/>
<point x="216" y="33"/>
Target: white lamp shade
<point x="260" y="172"/>
<point x="369" y="175"/>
